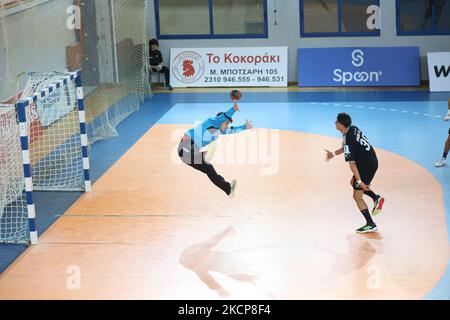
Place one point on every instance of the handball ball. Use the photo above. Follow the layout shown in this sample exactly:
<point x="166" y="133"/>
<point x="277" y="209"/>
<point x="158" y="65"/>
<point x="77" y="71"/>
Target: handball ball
<point x="235" y="95"/>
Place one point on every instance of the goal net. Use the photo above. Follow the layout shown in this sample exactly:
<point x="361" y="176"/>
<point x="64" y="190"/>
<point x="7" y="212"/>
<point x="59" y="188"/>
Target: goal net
<point x="13" y="203"/>
<point x="43" y="146"/>
<point x="115" y="65"/>
<point x="106" y="39"/>
<point x="55" y="146"/>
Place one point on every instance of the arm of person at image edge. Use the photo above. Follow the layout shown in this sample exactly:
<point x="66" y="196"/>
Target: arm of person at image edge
<point x="349" y="157"/>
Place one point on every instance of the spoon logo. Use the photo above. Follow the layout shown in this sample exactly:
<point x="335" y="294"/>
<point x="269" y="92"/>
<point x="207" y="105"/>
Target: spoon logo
<point x="358" y="58"/>
<point x="358" y="61"/>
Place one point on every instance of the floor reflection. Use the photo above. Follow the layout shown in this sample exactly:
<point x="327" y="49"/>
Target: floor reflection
<point x="202" y="259"/>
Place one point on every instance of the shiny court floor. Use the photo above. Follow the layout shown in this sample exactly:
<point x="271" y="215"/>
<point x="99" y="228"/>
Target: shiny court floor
<point x="155" y="229"/>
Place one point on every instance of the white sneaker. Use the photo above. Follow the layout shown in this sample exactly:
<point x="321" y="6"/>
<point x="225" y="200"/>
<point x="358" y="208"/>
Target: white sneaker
<point x="440" y="163"/>
<point x="233" y="188"/>
<point x="447" y="116"/>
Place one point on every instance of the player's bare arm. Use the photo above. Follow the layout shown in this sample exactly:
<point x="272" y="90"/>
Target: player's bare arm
<point x="330" y="155"/>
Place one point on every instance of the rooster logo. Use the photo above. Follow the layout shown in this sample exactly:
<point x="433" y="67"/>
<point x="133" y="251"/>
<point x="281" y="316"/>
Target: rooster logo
<point x="188" y="68"/>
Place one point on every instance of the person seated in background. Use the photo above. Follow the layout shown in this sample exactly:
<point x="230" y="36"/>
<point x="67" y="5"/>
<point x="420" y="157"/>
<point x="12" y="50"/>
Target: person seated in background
<point x="156" y="62"/>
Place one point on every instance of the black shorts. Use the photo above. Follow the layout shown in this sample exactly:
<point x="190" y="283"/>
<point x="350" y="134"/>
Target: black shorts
<point x="367" y="174"/>
<point x="449" y="131"/>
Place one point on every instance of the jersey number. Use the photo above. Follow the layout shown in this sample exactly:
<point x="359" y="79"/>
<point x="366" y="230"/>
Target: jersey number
<point x="363" y="141"/>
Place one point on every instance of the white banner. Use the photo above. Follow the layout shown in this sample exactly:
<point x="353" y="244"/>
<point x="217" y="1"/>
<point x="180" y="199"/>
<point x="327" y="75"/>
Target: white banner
<point x="55" y="106"/>
<point x="439" y="71"/>
<point x="229" y="67"/>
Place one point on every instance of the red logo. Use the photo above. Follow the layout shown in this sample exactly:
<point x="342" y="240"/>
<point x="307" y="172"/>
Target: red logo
<point x="188" y="67"/>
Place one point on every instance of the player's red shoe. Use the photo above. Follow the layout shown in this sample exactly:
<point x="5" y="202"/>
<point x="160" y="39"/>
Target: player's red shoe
<point x="378" y="206"/>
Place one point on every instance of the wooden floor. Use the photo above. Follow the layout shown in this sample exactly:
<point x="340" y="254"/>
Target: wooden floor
<point x="155" y="229"/>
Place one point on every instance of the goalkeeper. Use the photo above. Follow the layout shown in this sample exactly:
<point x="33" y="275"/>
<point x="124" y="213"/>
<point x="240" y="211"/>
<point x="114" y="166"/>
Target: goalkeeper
<point x="205" y="135"/>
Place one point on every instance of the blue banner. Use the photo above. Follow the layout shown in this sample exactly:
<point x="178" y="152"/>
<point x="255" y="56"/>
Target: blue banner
<point x="359" y="66"/>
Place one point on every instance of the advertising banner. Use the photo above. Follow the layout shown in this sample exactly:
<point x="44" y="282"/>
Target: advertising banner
<point x="362" y="66"/>
<point x="439" y="71"/>
<point x="229" y="67"/>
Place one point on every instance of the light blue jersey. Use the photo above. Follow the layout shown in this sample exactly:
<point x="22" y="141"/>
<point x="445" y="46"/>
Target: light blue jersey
<point x="209" y="130"/>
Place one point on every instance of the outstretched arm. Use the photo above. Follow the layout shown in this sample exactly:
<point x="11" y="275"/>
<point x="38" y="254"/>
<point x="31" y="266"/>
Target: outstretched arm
<point x="232" y="130"/>
<point x="330" y="155"/>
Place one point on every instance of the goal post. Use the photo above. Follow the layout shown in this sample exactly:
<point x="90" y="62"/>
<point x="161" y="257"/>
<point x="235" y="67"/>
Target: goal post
<point x="53" y="122"/>
<point x="14" y="211"/>
<point x="83" y="132"/>
<point x="44" y="146"/>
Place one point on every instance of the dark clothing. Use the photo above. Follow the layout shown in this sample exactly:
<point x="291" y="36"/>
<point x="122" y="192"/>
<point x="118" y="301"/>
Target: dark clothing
<point x="191" y="155"/>
<point x="166" y="72"/>
<point x="156" y="59"/>
<point x="367" y="174"/>
<point x="368" y="217"/>
<point x="358" y="149"/>
<point x="372" y="195"/>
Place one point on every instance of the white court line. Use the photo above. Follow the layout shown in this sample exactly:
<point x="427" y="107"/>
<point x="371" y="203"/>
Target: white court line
<point x="381" y="109"/>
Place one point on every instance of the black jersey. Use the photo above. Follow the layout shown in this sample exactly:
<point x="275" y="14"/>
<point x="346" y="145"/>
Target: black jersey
<point x="358" y="149"/>
<point x="155" y="57"/>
